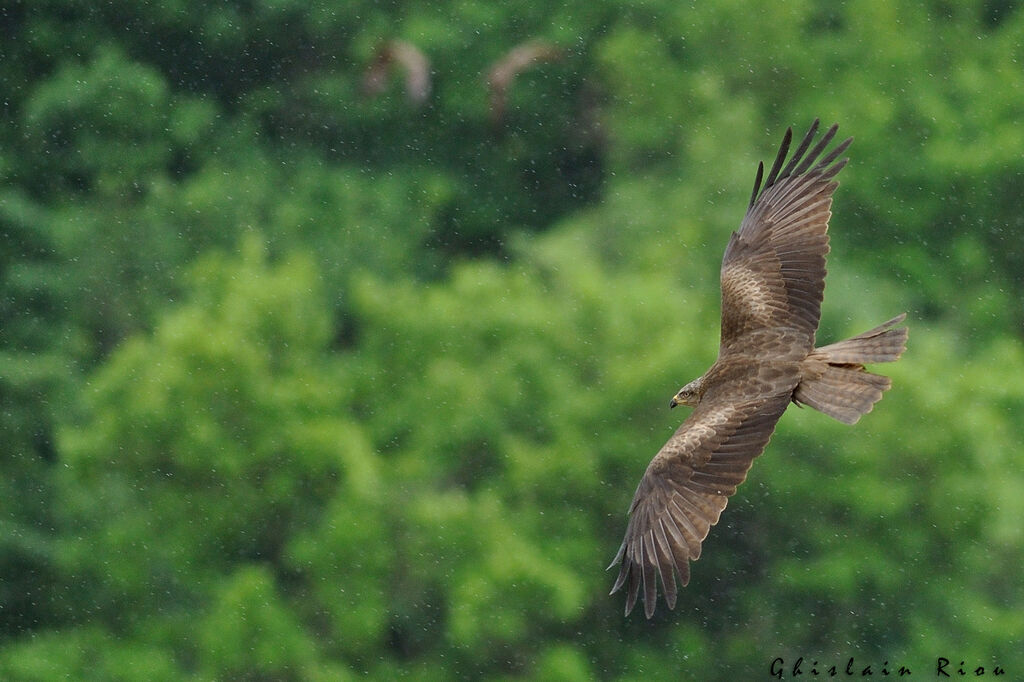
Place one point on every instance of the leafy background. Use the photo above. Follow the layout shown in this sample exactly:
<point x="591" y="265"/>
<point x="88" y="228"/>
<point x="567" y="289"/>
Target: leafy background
<point x="303" y="384"/>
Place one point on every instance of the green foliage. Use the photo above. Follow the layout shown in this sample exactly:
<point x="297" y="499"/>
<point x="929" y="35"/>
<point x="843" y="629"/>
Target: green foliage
<point x="107" y="125"/>
<point x="86" y="653"/>
<point x="302" y="383"/>
<point x="222" y="418"/>
<point x="250" y="634"/>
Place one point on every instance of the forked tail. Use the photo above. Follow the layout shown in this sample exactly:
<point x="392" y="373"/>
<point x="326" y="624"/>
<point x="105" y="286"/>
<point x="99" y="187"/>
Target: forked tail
<point x="835" y="381"/>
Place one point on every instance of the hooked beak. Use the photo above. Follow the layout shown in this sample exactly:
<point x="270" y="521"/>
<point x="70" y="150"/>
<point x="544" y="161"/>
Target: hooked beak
<point x="672" y="403"/>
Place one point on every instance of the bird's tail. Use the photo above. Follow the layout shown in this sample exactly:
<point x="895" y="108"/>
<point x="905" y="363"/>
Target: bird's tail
<point x="835" y="381"/>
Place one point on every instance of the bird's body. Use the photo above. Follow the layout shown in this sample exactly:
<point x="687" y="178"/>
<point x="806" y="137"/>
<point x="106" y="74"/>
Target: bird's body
<point x="773" y="279"/>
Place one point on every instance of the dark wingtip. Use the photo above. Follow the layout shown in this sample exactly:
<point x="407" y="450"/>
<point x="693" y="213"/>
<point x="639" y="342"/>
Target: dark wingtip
<point x="618" y="556"/>
<point x="802" y="161"/>
<point x="631" y="595"/>
<point x="798" y="155"/>
<point x="773" y="174"/>
<point x="757" y="186"/>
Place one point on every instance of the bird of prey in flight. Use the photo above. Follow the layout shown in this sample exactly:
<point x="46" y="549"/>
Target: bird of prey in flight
<point x="773" y="280"/>
<point x="504" y="72"/>
<point x="408" y="58"/>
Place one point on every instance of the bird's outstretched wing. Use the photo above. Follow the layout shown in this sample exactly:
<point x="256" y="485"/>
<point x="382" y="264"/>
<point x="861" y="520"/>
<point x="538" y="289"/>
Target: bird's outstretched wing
<point x="504" y="71"/>
<point x="687" y="484"/>
<point x="773" y="272"/>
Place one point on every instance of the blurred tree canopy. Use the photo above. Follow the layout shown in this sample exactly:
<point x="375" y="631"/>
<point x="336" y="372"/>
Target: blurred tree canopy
<point x="301" y="380"/>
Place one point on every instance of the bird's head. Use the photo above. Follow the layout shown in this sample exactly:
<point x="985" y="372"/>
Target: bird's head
<point x="688" y="395"/>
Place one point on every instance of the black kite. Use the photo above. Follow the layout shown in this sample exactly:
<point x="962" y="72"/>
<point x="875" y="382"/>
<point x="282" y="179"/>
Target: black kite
<point x="409" y="59"/>
<point x="773" y="280"/>
<point x="504" y="71"/>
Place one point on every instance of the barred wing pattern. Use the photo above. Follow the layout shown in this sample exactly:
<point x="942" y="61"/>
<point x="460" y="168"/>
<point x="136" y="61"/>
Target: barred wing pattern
<point x="773" y="280"/>
<point x="686" y="487"/>
<point x="773" y="271"/>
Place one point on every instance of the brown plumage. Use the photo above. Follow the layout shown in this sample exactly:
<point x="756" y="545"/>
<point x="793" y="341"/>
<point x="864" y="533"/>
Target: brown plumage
<point x="410" y="60"/>
<point x="773" y="281"/>
<point x="504" y="71"/>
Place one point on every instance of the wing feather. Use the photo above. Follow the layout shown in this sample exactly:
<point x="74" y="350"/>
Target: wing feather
<point x="666" y="563"/>
<point x="800" y="151"/>
<point x="686" y="487"/>
<point x="773" y="272"/>
<point x="773" y="275"/>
